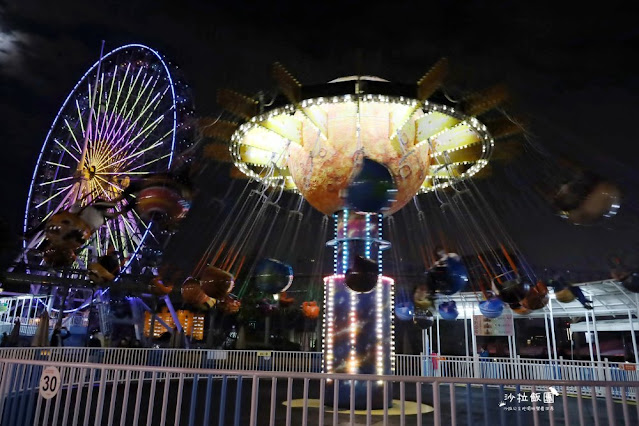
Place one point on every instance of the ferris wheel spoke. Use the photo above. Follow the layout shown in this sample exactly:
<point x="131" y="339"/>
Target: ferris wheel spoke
<point x="97" y="187"/>
<point x="147" y="227"/>
<point x="145" y="128"/>
<point x="64" y="166"/>
<point x="72" y="133"/>
<point x="110" y="156"/>
<point x="149" y="102"/>
<point x="133" y="170"/>
<point x="142" y="136"/>
<point x="131" y="87"/>
<point x="114" y="112"/>
<point x="144" y="85"/>
<point x="117" y="142"/>
<point x="109" y="237"/>
<point x="94" y="114"/>
<point x="131" y="226"/>
<point x="77" y="145"/>
<point x="137" y="154"/>
<point x="53" y="196"/>
<point x="34" y="242"/>
<point x="121" y="235"/>
<point x="119" y="189"/>
<point x="56" y="181"/>
<point x="62" y="203"/>
<point x="98" y="245"/>
<point x="100" y="119"/>
<point x="77" y="104"/>
<point x="129" y="172"/>
<point x="111" y="115"/>
<point x="98" y="128"/>
<point x="109" y="193"/>
<point x="67" y="151"/>
<point x="159" y="141"/>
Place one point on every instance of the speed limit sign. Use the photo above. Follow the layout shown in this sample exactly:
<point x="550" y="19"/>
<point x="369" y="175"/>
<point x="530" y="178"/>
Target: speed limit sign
<point x="50" y="382"/>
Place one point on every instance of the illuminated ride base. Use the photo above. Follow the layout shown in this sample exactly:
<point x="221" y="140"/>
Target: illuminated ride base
<point x="312" y="140"/>
<point x="358" y="327"/>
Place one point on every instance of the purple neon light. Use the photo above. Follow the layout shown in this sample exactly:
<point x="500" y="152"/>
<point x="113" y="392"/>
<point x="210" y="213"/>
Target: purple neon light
<point x="64" y="105"/>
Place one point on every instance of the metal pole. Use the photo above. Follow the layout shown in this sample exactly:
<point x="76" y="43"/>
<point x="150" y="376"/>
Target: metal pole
<point x="594" y="326"/>
<point x="592" y="358"/>
<point x="29" y="310"/>
<point x="473" y="337"/>
<point x="430" y="340"/>
<point x="136" y="318"/>
<point x="552" y="330"/>
<point x="439" y="342"/>
<point x="176" y="320"/>
<point x="425" y="343"/>
<point x="52" y="294"/>
<point x="510" y="347"/>
<point x="24" y="302"/>
<point x="154" y="315"/>
<point x="547" y="336"/>
<point x="514" y="337"/>
<point x="152" y="325"/>
<point x="267" y="329"/>
<point x="634" y="339"/>
<point x="600" y="370"/>
<point x="475" y="357"/>
<point x="466" y="329"/>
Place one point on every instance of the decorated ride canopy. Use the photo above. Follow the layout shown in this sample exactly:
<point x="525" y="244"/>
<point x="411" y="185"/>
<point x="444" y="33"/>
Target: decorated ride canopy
<point x="316" y="140"/>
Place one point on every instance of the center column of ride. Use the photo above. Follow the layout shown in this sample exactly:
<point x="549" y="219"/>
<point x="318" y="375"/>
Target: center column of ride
<point x="358" y="311"/>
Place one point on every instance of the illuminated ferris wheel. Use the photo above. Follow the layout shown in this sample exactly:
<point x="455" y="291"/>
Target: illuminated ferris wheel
<point x="124" y="119"/>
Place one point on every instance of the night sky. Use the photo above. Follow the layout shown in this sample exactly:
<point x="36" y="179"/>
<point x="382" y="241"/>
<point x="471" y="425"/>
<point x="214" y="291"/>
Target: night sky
<point x="570" y="71"/>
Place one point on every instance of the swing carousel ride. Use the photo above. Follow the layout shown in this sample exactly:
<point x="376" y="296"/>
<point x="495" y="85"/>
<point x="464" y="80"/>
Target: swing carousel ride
<point x="360" y="149"/>
<point x="115" y="177"/>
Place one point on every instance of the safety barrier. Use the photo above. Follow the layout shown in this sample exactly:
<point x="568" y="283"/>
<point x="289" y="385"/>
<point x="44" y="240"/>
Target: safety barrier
<point x="294" y="361"/>
<point x="100" y="394"/>
<point x="311" y="362"/>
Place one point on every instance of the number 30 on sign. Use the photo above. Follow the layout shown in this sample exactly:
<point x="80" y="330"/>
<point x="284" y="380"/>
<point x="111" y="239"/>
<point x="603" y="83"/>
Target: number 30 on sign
<point x="50" y="382"/>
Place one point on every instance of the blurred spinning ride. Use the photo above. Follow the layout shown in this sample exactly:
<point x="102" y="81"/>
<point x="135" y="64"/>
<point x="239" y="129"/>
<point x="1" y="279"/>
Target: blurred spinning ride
<point x="359" y="148"/>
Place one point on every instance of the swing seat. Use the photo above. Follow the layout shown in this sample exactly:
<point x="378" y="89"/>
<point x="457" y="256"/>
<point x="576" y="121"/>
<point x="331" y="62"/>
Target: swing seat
<point x="404" y="311"/>
<point x="512" y="291"/>
<point x="536" y="298"/>
<point x="491" y="308"/>
<point x="216" y="282"/>
<point x="423" y="318"/>
<point x="448" y="279"/>
<point x="448" y="310"/>
<point x="565" y="295"/>
<point x="273" y="276"/>
<point x="363" y="276"/>
<point x="631" y="283"/>
<point x="520" y="309"/>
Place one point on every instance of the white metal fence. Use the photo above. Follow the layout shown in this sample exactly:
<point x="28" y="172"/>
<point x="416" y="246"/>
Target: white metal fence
<point x="311" y="362"/>
<point x="122" y="394"/>
<point x="293" y="361"/>
<point x="513" y="369"/>
<point x="28" y="326"/>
